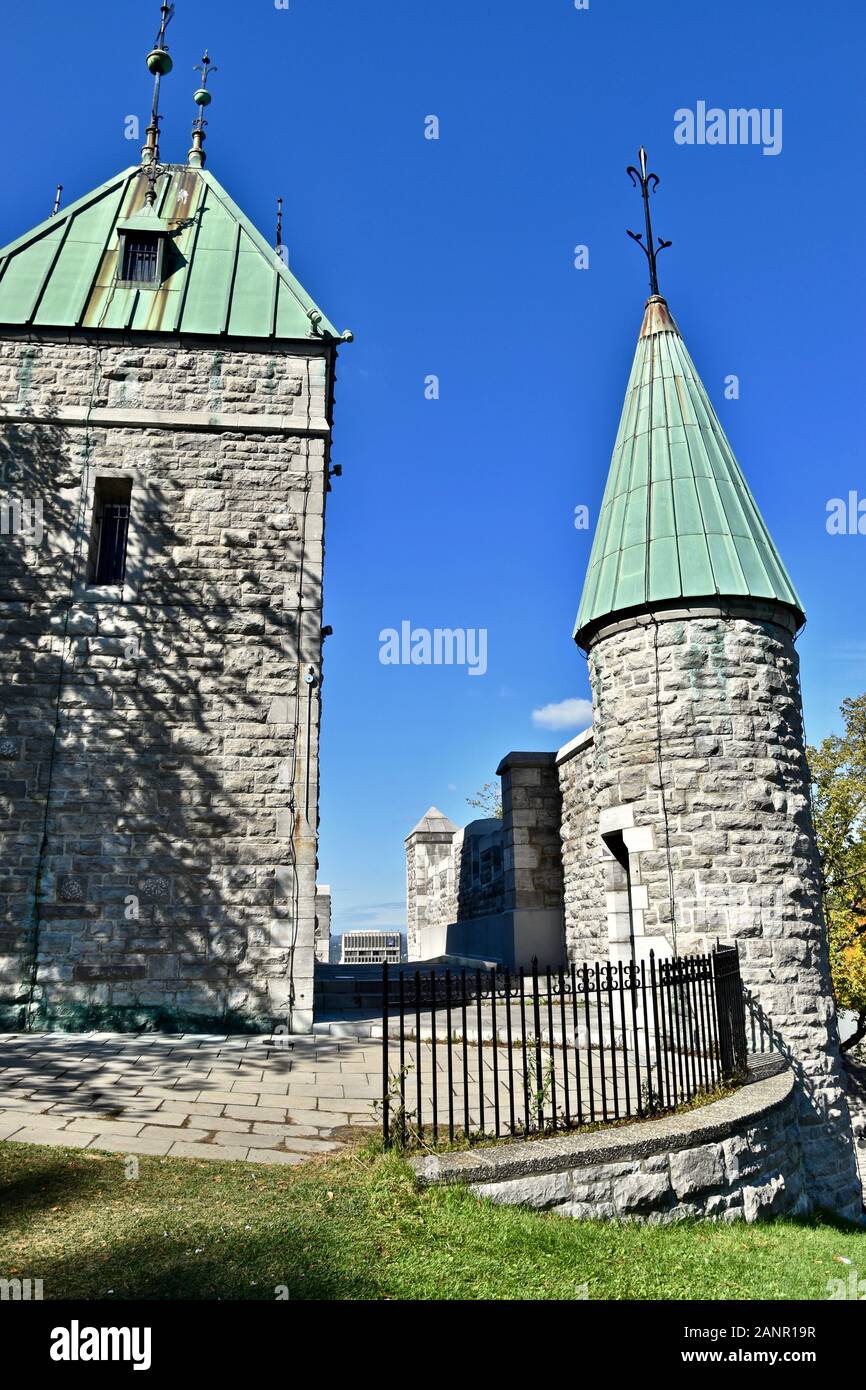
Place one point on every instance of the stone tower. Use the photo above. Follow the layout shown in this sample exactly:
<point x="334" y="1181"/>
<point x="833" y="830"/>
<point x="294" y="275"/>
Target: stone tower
<point x="692" y="806"/>
<point x="430" y="890"/>
<point x="166" y="394"/>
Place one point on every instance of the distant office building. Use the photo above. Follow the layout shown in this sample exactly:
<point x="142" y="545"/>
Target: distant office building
<point x="371" y="948"/>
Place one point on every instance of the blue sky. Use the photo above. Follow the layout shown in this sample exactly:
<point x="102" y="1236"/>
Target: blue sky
<point x="455" y="257"/>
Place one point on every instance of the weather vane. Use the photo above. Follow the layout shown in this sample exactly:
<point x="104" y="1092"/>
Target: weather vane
<point x="202" y="98"/>
<point x="648" y="183"/>
<point x="159" y="63"/>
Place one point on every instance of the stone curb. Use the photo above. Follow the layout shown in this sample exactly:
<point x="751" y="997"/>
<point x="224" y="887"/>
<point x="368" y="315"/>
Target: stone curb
<point x="770" y="1084"/>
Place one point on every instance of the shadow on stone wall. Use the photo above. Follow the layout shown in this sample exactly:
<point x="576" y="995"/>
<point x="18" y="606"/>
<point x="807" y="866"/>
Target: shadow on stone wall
<point x="138" y="779"/>
<point x="479" y="870"/>
<point x="763" y="1037"/>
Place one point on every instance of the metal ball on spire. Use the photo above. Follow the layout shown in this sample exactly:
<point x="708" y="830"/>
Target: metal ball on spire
<point x="158" y="59"/>
<point x="202" y="98"/>
<point x="159" y="64"/>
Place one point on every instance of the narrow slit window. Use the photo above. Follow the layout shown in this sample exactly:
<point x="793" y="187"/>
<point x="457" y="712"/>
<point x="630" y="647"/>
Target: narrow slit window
<point x="140" y="259"/>
<point x="109" y="536"/>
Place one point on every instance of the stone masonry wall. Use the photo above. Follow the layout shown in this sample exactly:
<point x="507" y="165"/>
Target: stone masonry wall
<point x="158" y="810"/>
<point x="698" y="730"/>
<point x="453" y="878"/>
<point x="585" y="932"/>
<point x="431" y="896"/>
<point x="479" y="870"/>
<point x="531" y="818"/>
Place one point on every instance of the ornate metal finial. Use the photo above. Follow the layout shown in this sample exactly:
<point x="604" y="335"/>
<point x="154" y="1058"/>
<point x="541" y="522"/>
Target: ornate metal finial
<point x="279" y="240"/>
<point x="159" y="63"/>
<point x="159" y="46"/>
<point x="202" y="98"/>
<point x="648" y="183"/>
<point x="57" y="193"/>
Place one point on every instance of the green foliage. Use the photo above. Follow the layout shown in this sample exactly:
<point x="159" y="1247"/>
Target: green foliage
<point x="838" y="770"/>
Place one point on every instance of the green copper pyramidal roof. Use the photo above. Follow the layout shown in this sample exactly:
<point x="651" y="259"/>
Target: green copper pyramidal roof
<point x="677" y="520"/>
<point x="219" y="275"/>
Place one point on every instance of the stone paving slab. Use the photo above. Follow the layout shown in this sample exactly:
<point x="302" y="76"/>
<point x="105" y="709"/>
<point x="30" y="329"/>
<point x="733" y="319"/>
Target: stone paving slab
<point x="258" y="1099"/>
<point x="255" y="1098"/>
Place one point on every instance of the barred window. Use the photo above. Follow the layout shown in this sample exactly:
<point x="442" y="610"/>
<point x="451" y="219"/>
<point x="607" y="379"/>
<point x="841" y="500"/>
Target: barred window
<point x="110" y="531"/>
<point x="140" y="258"/>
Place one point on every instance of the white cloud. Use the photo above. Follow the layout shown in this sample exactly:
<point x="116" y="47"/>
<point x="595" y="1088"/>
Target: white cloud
<point x="567" y="714"/>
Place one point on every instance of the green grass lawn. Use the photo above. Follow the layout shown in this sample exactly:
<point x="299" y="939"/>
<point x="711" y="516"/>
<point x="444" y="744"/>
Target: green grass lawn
<point x="355" y="1227"/>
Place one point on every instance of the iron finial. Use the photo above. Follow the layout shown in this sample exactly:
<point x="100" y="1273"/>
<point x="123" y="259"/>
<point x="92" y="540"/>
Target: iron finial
<point x="159" y="63"/>
<point x="648" y="184"/>
<point x="166" y="15"/>
<point x="279" y="241"/>
<point x="202" y="98"/>
<point x="57" y="193"/>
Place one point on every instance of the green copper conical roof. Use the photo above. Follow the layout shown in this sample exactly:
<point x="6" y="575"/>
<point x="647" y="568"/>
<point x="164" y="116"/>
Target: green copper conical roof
<point x="677" y="520"/>
<point x="220" y="274"/>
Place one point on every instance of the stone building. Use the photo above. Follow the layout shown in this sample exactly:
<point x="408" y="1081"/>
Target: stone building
<point x="323" y="923"/>
<point x="452" y="877"/>
<point x="683" y="815"/>
<point x="166" y="397"/>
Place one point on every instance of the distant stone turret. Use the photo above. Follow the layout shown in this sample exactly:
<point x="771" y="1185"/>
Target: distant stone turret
<point x="428" y="874"/>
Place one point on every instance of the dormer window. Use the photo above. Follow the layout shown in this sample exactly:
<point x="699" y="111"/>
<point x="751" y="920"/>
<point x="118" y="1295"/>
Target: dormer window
<point x="141" y="254"/>
<point x="140" y="259"/>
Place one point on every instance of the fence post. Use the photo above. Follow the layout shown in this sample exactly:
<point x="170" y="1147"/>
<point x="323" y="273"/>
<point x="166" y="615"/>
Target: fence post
<point x="730" y="1011"/>
<point x="386" y="1136"/>
<point x="539" y="1082"/>
<point x="657" y="1029"/>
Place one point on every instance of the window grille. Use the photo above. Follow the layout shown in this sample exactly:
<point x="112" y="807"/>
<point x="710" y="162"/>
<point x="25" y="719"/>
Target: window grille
<point x="110" y="532"/>
<point x="140" y="259"/>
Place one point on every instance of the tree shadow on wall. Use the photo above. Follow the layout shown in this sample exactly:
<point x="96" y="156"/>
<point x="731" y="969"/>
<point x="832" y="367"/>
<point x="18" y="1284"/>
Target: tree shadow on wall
<point x="138" y="783"/>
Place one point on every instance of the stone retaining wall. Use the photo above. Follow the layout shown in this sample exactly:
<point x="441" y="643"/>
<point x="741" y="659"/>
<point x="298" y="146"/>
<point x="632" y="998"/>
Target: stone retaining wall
<point x="736" y="1159"/>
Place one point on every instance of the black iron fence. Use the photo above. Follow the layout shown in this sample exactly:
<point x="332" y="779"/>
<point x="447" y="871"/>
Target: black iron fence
<point x="498" y="1052"/>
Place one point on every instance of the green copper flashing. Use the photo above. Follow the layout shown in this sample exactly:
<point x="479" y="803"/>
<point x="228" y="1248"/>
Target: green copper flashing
<point x="677" y="521"/>
<point x="221" y="277"/>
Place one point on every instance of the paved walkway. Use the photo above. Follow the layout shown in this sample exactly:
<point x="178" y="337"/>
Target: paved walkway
<point x="282" y="1099"/>
<point x="265" y="1100"/>
<point x="259" y="1099"/>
